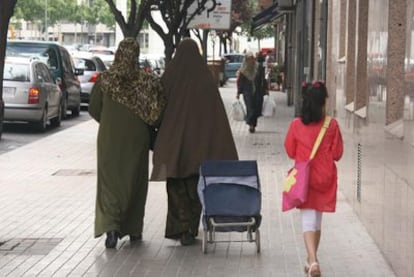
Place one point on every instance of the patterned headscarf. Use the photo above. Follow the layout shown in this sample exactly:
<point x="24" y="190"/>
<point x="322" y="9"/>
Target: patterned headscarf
<point x="248" y="69"/>
<point x="128" y="85"/>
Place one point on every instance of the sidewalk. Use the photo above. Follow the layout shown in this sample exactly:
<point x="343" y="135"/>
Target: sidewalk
<point x="47" y="211"/>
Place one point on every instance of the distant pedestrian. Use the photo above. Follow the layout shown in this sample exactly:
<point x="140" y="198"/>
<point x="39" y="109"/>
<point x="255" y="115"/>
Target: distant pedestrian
<point x="252" y="85"/>
<point x="118" y="103"/>
<point x="194" y="128"/>
<point x="299" y="141"/>
<point x="269" y="62"/>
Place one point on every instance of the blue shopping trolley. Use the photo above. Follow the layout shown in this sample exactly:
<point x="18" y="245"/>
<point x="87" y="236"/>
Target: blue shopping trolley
<point x="229" y="191"/>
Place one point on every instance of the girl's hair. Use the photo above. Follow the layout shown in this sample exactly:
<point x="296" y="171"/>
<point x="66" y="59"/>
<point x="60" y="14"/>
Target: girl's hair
<point x="314" y="99"/>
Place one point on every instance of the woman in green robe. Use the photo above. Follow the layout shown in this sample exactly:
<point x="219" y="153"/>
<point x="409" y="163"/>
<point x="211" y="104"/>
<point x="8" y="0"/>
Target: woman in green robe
<point x="122" y="145"/>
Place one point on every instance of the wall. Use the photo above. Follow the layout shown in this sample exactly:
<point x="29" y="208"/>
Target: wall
<point x="376" y="173"/>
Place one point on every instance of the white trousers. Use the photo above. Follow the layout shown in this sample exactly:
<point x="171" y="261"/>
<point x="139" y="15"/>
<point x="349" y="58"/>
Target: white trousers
<point x="311" y="220"/>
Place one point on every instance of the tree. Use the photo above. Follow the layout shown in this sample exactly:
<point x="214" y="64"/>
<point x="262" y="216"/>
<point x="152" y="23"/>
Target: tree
<point x="242" y="13"/>
<point x="175" y="16"/>
<point x="6" y="12"/>
<point x="100" y="12"/>
<point x="265" y="31"/>
<point x="46" y="12"/>
<point x="136" y="16"/>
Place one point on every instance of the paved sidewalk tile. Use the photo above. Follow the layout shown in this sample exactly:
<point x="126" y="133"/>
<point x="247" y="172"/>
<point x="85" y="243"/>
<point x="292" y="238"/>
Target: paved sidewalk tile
<point x="47" y="210"/>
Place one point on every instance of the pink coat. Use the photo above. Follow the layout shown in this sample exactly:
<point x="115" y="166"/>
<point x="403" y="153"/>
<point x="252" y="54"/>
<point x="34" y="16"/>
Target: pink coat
<point x="323" y="174"/>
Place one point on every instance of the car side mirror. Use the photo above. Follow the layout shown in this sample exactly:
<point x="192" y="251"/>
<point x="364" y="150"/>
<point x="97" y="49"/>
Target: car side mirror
<point x="79" y="71"/>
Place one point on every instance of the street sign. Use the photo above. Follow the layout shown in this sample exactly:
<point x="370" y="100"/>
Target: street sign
<point x="217" y="15"/>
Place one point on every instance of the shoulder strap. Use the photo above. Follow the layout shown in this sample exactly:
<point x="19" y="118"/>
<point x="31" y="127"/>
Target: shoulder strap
<point x="320" y="136"/>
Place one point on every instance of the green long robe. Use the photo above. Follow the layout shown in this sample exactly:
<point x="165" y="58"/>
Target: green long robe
<point x="122" y="179"/>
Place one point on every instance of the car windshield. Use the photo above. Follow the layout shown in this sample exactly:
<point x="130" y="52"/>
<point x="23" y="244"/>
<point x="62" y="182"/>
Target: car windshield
<point x="41" y="51"/>
<point x="84" y="64"/>
<point x="16" y="72"/>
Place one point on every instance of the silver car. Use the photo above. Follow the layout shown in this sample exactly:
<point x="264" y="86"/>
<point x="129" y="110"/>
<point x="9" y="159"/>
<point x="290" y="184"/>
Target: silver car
<point x="92" y="67"/>
<point x="30" y="93"/>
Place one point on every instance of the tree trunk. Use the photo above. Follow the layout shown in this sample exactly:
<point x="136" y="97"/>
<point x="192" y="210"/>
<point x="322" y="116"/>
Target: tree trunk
<point x="169" y="50"/>
<point x="205" y="38"/>
<point x="5" y="13"/>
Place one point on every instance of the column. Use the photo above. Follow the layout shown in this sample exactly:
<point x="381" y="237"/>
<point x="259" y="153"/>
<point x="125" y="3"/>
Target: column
<point x="397" y="26"/>
<point x="342" y="28"/>
<point x="349" y="85"/>
<point x="361" y="90"/>
<point x="316" y="39"/>
<point x="330" y="63"/>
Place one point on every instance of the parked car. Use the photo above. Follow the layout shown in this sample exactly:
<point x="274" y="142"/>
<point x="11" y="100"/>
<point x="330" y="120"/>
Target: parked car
<point x="232" y="64"/>
<point x="155" y="63"/>
<point x="60" y="63"/>
<point x="31" y="93"/>
<point x="92" y="67"/>
<point x="147" y="66"/>
<point x="106" y="54"/>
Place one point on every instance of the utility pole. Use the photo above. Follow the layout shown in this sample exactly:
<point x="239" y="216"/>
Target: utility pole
<point x="46" y="32"/>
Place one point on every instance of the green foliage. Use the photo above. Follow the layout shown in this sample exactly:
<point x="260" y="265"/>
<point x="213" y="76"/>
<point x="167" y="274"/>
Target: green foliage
<point x="266" y="31"/>
<point x="242" y="12"/>
<point x="99" y="12"/>
<point x="64" y="11"/>
<point x="30" y="10"/>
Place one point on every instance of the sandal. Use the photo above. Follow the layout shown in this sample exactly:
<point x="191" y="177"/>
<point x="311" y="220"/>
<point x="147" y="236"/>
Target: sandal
<point x="313" y="270"/>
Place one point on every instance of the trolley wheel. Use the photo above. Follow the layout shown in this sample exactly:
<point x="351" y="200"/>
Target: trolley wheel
<point x="204" y="242"/>
<point x="257" y="240"/>
<point x="249" y="235"/>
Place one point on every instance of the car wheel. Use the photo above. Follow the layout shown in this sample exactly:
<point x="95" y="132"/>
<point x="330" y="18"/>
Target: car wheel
<point x="42" y="123"/>
<point x="64" y="108"/>
<point x="56" y="121"/>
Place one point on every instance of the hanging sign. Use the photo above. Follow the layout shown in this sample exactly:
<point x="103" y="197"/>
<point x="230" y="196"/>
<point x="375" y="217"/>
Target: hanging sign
<point x="216" y="15"/>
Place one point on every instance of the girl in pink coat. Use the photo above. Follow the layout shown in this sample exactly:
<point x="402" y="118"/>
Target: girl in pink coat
<point x="299" y="141"/>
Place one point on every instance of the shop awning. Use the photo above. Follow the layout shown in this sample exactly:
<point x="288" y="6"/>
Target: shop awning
<point x="271" y="13"/>
<point x="266" y="16"/>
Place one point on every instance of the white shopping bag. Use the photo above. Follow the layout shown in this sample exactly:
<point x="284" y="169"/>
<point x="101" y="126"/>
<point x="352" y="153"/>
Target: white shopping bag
<point x="237" y="111"/>
<point x="269" y="106"/>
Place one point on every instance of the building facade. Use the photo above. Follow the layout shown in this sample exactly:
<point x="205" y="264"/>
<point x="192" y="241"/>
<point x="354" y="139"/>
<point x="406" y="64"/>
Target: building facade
<point x="364" y="49"/>
<point x="371" y="71"/>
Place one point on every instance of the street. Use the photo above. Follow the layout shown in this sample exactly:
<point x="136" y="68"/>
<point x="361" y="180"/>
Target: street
<point x="16" y="135"/>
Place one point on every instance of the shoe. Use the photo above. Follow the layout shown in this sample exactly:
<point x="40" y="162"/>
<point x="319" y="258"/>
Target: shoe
<point x="111" y="239"/>
<point x="187" y="239"/>
<point x="134" y="238"/>
<point x="251" y="129"/>
<point x="313" y="270"/>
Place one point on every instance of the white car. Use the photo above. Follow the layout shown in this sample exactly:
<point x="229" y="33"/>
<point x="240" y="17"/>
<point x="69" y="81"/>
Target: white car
<point x="106" y="54"/>
<point x="92" y="66"/>
<point x="31" y="93"/>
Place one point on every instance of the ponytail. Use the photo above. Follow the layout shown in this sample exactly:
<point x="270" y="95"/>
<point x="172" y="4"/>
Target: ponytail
<point x="314" y="98"/>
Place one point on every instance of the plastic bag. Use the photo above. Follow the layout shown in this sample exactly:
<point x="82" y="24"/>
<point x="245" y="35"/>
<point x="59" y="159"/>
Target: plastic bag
<point x="237" y="112"/>
<point x="269" y="106"/>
